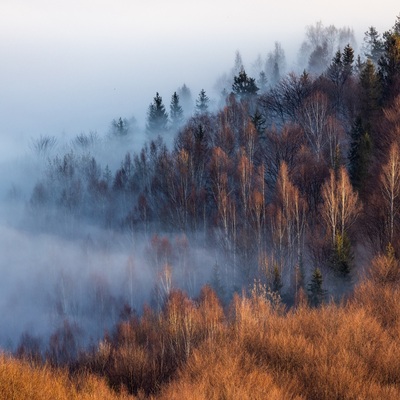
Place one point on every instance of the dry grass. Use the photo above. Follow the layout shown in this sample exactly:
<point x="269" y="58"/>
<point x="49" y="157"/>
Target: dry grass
<point x="20" y="380"/>
<point x="256" y="350"/>
<point x="145" y="353"/>
<point x="226" y="373"/>
<point x="347" y="351"/>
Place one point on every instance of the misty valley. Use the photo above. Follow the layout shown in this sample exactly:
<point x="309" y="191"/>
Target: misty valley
<point x="242" y="246"/>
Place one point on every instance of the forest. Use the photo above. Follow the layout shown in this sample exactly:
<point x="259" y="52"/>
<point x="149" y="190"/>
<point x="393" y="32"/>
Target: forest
<point x="249" y="247"/>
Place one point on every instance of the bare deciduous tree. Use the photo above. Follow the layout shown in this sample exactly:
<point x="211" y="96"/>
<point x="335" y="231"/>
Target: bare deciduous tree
<point x="289" y="218"/>
<point x="314" y="118"/>
<point x="340" y="203"/>
<point x="390" y="184"/>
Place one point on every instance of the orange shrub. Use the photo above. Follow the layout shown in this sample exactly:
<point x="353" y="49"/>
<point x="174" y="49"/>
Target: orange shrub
<point x="20" y="380"/>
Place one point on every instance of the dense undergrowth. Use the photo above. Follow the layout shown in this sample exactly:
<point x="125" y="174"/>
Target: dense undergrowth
<point x="252" y="349"/>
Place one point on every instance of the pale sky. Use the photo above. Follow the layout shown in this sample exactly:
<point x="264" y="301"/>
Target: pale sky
<point x="74" y="65"/>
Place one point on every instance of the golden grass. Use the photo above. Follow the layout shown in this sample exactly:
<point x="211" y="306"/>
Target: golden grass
<point x="223" y="374"/>
<point x="342" y="351"/>
<point x="256" y="350"/>
<point x="20" y="380"/>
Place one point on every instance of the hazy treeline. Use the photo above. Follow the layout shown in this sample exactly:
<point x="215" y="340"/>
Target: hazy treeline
<point x="276" y="184"/>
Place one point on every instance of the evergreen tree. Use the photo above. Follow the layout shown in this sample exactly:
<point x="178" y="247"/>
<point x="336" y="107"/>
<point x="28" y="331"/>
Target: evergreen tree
<point x="185" y="98"/>
<point x="244" y="86"/>
<point x="348" y="62"/>
<point x="176" y="112"/>
<point x="202" y="102"/>
<point x="370" y="93"/>
<point x="157" y="117"/>
<point x="120" y="127"/>
<point x="358" y="65"/>
<point x="319" y="59"/>
<point x="373" y="45"/>
<point x="259" y="122"/>
<point x="341" y="67"/>
<point x="316" y="293"/>
<point x="359" y="155"/>
<point x="396" y="26"/>
<point x="389" y="66"/>
<point x="342" y="256"/>
<point x="334" y="72"/>
<point x="275" y="64"/>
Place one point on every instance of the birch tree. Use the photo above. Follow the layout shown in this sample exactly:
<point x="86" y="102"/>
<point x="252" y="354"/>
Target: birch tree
<point x="340" y="203"/>
<point x="289" y="217"/>
<point x="313" y="119"/>
<point x="390" y="186"/>
<point x="340" y="210"/>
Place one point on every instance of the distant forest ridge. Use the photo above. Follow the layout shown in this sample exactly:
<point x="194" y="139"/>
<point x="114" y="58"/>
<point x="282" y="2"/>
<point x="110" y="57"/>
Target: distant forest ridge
<point x="288" y="179"/>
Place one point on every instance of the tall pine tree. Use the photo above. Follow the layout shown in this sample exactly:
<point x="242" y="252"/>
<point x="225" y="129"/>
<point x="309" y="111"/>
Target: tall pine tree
<point x="359" y="155"/>
<point x="202" y="102"/>
<point x="348" y="62"/>
<point x="176" y="112"/>
<point x="389" y="65"/>
<point x="373" y="45"/>
<point x="370" y="93"/>
<point x="316" y="293"/>
<point x="243" y="86"/>
<point x="157" y="117"/>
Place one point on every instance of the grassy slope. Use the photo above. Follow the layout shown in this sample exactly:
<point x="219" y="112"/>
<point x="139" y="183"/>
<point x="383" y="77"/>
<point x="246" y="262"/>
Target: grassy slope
<point x="253" y="350"/>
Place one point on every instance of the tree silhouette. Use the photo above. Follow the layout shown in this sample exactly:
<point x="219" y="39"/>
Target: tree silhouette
<point x="315" y="291"/>
<point x="244" y="86"/>
<point x="157" y="117"/>
<point x="202" y="102"/>
<point x="176" y="111"/>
